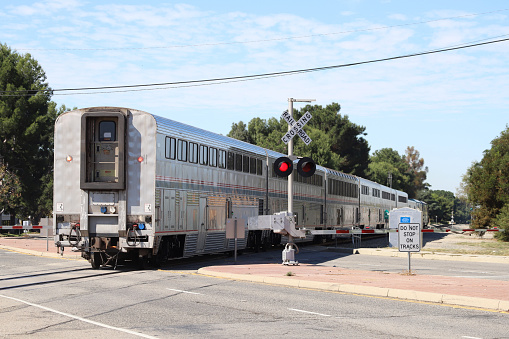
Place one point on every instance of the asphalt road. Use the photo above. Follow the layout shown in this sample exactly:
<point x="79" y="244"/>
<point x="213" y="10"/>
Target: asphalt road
<point x="46" y="298"/>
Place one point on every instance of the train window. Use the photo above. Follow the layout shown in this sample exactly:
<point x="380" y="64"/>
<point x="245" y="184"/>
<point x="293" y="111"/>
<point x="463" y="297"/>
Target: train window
<point x="170" y="151"/>
<point x="245" y="163"/>
<point x="238" y="162"/>
<point x="204" y="155"/>
<point x="393" y="197"/>
<point x="182" y="150"/>
<point x="231" y="161"/>
<point x="107" y="130"/>
<point x="193" y="152"/>
<point x="252" y="165"/>
<point x="212" y="157"/>
<point x="221" y="159"/>
<point x="365" y="190"/>
<point x="259" y="168"/>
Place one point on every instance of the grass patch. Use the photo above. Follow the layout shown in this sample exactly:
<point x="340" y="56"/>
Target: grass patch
<point x="482" y="248"/>
<point x="20" y="234"/>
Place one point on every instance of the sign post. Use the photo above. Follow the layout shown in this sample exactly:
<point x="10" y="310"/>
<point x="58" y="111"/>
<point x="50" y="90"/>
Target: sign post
<point x="409" y="236"/>
<point x="235" y="229"/>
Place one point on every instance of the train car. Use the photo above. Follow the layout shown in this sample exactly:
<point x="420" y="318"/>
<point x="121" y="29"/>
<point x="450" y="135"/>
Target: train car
<point x="421" y="206"/>
<point x="374" y="200"/>
<point x="342" y="200"/>
<point x="132" y="185"/>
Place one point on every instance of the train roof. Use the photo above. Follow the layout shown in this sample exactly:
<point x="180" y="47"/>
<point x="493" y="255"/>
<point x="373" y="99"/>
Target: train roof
<point x="418" y="201"/>
<point x="175" y="128"/>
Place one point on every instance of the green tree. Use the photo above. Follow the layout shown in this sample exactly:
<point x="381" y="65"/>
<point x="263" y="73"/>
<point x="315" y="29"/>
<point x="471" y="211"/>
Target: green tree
<point x="501" y="221"/>
<point x="461" y="211"/>
<point x="26" y="130"/>
<point x="239" y="132"/>
<point x="417" y="170"/>
<point x="10" y="190"/>
<point x="487" y="182"/>
<point x="441" y="205"/>
<point x="337" y="142"/>
<point x="385" y="161"/>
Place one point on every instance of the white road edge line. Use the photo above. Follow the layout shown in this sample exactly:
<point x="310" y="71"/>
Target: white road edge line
<point x="80" y="318"/>
<point x="323" y="315"/>
<point x="171" y="289"/>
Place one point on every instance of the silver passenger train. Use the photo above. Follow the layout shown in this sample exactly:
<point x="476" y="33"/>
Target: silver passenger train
<point x="132" y="185"/>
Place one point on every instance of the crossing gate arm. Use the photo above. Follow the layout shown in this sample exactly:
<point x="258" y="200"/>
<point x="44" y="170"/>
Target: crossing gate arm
<point x="33" y="227"/>
<point x="384" y="231"/>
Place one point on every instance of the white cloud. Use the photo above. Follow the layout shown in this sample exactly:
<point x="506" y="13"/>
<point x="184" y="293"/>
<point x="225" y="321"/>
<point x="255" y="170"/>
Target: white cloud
<point x="399" y="17"/>
<point x="44" y="7"/>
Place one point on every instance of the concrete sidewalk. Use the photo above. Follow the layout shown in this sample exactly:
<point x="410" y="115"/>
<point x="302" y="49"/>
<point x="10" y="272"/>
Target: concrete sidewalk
<point x="36" y="245"/>
<point x="479" y="293"/>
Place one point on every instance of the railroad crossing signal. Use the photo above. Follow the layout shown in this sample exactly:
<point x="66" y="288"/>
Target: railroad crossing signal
<point x="283" y="167"/>
<point x="296" y="127"/>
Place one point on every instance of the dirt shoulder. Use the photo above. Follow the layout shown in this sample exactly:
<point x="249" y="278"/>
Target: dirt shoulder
<point x="465" y="243"/>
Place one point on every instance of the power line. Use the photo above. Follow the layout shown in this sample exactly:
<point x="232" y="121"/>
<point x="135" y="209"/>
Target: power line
<point x="262" y="40"/>
<point x="216" y="81"/>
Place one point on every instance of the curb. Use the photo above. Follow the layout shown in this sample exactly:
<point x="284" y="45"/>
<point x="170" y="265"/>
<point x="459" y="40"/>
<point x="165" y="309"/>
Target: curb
<point x="447" y="299"/>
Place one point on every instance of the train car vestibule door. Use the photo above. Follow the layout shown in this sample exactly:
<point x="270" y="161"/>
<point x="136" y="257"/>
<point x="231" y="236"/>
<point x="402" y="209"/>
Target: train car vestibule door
<point x="202" y="227"/>
<point x="169" y="214"/>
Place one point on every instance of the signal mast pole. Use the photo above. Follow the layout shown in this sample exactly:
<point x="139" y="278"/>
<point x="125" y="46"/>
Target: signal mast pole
<point x="290" y="155"/>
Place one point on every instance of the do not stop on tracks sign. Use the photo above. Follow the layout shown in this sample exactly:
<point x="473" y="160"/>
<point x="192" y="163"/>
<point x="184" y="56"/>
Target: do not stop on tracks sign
<point x="409" y="235"/>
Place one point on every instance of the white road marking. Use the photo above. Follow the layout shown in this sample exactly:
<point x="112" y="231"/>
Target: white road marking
<point x="80" y="318"/>
<point x="171" y="289"/>
<point x="296" y="310"/>
<point x="467" y="337"/>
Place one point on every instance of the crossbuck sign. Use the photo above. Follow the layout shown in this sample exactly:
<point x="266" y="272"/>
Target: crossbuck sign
<point x="296" y="127"/>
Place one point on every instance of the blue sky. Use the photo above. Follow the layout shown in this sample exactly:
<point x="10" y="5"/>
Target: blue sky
<point x="449" y="106"/>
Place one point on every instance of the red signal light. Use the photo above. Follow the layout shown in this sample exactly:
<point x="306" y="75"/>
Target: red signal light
<point x="306" y="167"/>
<point x="283" y="166"/>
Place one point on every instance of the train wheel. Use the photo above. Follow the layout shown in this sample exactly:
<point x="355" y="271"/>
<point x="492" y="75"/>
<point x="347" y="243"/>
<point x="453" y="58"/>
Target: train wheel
<point x="162" y="253"/>
<point x="96" y="260"/>
<point x="142" y="262"/>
